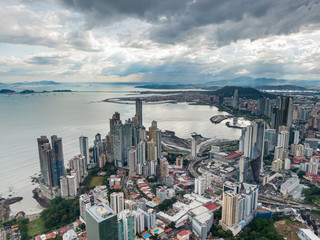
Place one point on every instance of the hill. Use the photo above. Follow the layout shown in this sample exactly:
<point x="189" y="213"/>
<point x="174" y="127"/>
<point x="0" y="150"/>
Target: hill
<point x="6" y="91"/>
<point x="244" y="92"/>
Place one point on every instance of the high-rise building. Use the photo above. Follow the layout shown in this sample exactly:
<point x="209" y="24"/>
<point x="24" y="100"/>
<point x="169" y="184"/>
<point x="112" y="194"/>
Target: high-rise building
<point x="199" y="185"/>
<point x="150" y="218"/>
<point x="278" y="153"/>
<point x="127" y="138"/>
<point x="51" y="160"/>
<point x="287" y="163"/>
<point x="102" y="160"/>
<point x="84" y="203"/>
<point x="141" y="152"/>
<point x="164" y="169"/>
<point x="139" y="112"/>
<point x="229" y="208"/>
<point x="139" y="220"/>
<point x="243" y="169"/>
<point x="79" y="163"/>
<point x="130" y="205"/>
<point x="296" y="137"/>
<point x="117" y="202"/>
<point x="270" y="135"/>
<point x="115" y="118"/>
<point x="283" y="112"/>
<point x="276" y="165"/>
<point x="283" y="139"/>
<point x="193" y="148"/>
<point x="64" y="189"/>
<point x="254" y="146"/>
<point x="58" y="169"/>
<point x="132" y="162"/>
<point x="118" y="144"/>
<point x="84" y="148"/>
<point x="72" y="184"/>
<point x="151" y="151"/>
<point x="126" y="222"/>
<point x="96" y="149"/>
<point x="152" y="130"/>
<point x="247" y="202"/>
<point x="46" y="159"/>
<point x="102" y="223"/>
<point x="158" y="142"/>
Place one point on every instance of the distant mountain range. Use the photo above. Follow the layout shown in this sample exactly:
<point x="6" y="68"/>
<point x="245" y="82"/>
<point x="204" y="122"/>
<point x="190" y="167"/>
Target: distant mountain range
<point x="245" y="81"/>
<point x="259" y="83"/>
<point x="44" y="82"/>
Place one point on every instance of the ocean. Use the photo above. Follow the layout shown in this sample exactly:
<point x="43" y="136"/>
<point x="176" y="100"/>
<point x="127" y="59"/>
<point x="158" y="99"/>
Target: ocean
<point x="24" y="118"/>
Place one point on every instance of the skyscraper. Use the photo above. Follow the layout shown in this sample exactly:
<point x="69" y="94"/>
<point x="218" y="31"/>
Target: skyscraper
<point x="115" y="118"/>
<point x="139" y="112"/>
<point x="126" y="222"/>
<point x="132" y="162"/>
<point x="229" y="208"/>
<point x="102" y="223"/>
<point x="51" y="160"/>
<point x="96" y="149"/>
<point x="84" y="203"/>
<point x="243" y="169"/>
<point x="58" y="169"/>
<point x="254" y="146"/>
<point x="84" y="148"/>
<point x="283" y="112"/>
<point x="199" y="185"/>
<point x="152" y="130"/>
<point x="118" y="144"/>
<point x="164" y="169"/>
<point x="79" y="163"/>
<point x="45" y="157"/>
<point x="117" y="202"/>
<point x="193" y="148"/>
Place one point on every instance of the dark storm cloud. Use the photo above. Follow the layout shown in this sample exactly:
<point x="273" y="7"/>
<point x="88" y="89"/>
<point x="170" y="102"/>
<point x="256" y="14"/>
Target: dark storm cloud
<point x="219" y="22"/>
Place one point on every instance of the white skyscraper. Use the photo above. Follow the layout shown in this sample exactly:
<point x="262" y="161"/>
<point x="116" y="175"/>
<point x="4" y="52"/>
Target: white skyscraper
<point x="193" y="148"/>
<point x="139" y="220"/>
<point x="84" y="203"/>
<point x="199" y="185"/>
<point x="72" y="184"/>
<point x="283" y="139"/>
<point x="117" y="202"/>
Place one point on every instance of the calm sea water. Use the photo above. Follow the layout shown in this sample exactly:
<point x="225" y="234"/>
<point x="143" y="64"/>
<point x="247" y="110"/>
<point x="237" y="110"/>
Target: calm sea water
<point x="23" y="118"/>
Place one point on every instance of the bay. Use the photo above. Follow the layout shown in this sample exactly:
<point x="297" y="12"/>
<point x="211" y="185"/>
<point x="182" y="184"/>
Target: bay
<point x="24" y="118"/>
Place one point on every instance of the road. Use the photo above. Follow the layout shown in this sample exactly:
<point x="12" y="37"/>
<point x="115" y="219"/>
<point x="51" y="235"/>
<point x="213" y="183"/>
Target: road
<point x="192" y="163"/>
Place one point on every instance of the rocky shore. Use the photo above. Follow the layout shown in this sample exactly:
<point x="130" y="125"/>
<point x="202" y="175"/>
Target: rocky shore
<point x="42" y="200"/>
<point x="5" y="207"/>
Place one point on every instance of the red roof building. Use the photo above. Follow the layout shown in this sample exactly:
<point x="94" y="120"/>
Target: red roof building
<point x="211" y="206"/>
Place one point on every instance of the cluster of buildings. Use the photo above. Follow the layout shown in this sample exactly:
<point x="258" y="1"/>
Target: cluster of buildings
<point x="289" y="140"/>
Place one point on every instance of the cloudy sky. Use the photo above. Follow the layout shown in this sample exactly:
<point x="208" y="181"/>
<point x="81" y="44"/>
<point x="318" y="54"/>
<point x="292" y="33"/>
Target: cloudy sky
<point x="158" y="40"/>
